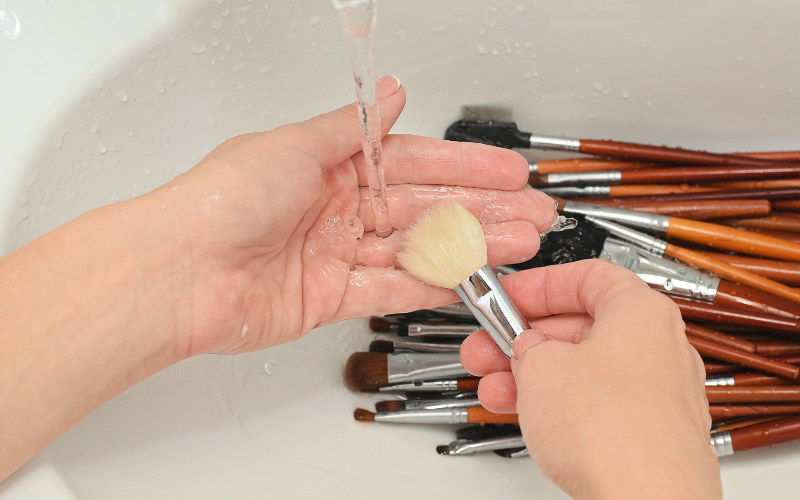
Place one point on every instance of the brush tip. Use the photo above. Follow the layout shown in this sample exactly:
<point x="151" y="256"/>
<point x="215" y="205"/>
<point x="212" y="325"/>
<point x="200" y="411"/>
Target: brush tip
<point x="444" y="245"/>
<point x="366" y="371"/>
<point x="391" y="405"/>
<point x="443" y="449"/>
<point x="538" y="180"/>
<point x="487" y="114"/>
<point x="384" y="346"/>
<point x="362" y="415"/>
<point x="377" y="324"/>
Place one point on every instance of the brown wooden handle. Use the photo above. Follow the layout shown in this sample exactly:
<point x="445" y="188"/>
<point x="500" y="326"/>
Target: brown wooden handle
<point x="468" y="384"/>
<point x="702" y="332"/>
<point x="656" y="189"/>
<point x="754" y="394"/>
<point x="587" y="165"/>
<point x="711" y="313"/>
<point x="762" y="184"/>
<point x="773" y="222"/>
<point x="644" y="152"/>
<point x="744" y="297"/>
<point x="787" y="273"/>
<point x="766" y="434"/>
<point x="789" y="205"/>
<point x="714" y="368"/>
<point x="732" y="194"/>
<point x="773" y="155"/>
<point x="736" y="411"/>
<point x="698" y="209"/>
<point x="737" y="240"/>
<point x="722" y="353"/>
<point x="480" y="415"/>
<point x="706" y="174"/>
<point x="777" y="347"/>
<point x="785" y="235"/>
<point x="741" y="379"/>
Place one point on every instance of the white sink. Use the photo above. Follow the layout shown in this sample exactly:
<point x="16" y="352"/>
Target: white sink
<point x="106" y="100"/>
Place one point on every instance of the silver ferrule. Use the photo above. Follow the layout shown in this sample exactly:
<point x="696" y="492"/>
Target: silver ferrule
<point x="533" y="167"/>
<point x="517" y="454"/>
<point x="654" y="222"/>
<point x="410" y="366"/>
<point x="661" y="274"/>
<point x="576" y="191"/>
<point x="400" y="346"/>
<point x="721" y="441"/>
<point x="442" y="416"/>
<point x="554" y="143"/>
<point x="446" y="385"/>
<point x="501" y="271"/>
<point x="720" y="381"/>
<point x="458" y="310"/>
<point x="439" y="404"/>
<point x="465" y="447"/>
<point x="605" y="177"/>
<point x="644" y="241"/>
<point x="419" y="330"/>
<point x="487" y="300"/>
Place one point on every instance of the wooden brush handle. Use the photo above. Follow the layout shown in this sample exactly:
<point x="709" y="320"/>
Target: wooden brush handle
<point x="710" y="335"/>
<point x="702" y="209"/>
<point x="655" y="189"/>
<point x="644" y="152"/>
<point x="741" y="379"/>
<point x="766" y="434"/>
<point x="737" y="240"/>
<point x="790" y="206"/>
<point x="587" y="165"/>
<point x="773" y="222"/>
<point x="468" y="384"/>
<point x="777" y="347"/>
<point x="793" y="359"/>
<point x="773" y="155"/>
<point x="714" y="368"/>
<point x="732" y="194"/>
<point x="691" y="175"/>
<point x="700" y="311"/>
<point x="783" y="235"/>
<point x="722" y="353"/>
<point x="736" y="411"/>
<point x="787" y="273"/>
<point x="480" y="415"/>
<point x="735" y="295"/>
<point x="754" y="394"/>
<point x="761" y="184"/>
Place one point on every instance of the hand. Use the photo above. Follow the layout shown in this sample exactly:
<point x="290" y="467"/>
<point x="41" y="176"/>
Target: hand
<point x="609" y="392"/>
<point x="272" y="225"/>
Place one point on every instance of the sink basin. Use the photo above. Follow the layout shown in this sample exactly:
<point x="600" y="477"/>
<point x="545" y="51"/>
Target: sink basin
<point x="164" y="81"/>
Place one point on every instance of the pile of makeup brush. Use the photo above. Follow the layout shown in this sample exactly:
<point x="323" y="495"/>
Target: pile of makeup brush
<point x="731" y="265"/>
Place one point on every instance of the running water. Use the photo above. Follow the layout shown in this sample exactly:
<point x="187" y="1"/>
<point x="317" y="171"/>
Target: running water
<point x="358" y="21"/>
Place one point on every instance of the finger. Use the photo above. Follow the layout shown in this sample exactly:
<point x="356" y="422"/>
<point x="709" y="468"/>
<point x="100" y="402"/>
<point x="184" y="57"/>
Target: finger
<point x="409" y="159"/>
<point x="507" y="243"/>
<point x="571" y="327"/>
<point x="577" y="287"/>
<point x="231" y="143"/>
<point x="481" y="356"/>
<point x="498" y="392"/>
<point x="336" y="136"/>
<point x="407" y="201"/>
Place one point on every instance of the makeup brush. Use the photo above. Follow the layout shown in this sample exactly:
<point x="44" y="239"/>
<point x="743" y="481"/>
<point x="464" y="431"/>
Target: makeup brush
<point x="422" y="329"/>
<point x="787" y="205"/>
<point x="770" y="223"/>
<point x="465" y="447"/>
<point x="787" y="273"/>
<point x="754" y="281"/>
<point x="693" y="209"/>
<point x="729" y="425"/>
<point x="693" y="310"/>
<point x="756" y="436"/>
<point x="717" y="368"/>
<point x="445" y="247"/>
<point x="740" y="379"/>
<point x="471" y="415"/>
<point x="494" y="125"/>
<point x="720" y="338"/>
<point x="735" y="411"/>
<point x="425" y="404"/>
<point x="760" y="184"/>
<point x="709" y="349"/>
<point x="443" y="385"/>
<point x="774" y="195"/>
<point x="389" y="346"/>
<point x="672" y="175"/>
<point x="366" y="371"/>
<point x="754" y="394"/>
<point x="595" y="191"/>
<point x="713" y="235"/>
<point x="777" y="348"/>
<point x="583" y="165"/>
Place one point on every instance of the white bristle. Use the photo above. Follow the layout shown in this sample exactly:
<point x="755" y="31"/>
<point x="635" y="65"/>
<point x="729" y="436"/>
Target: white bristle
<point x="444" y="245"/>
<point x="487" y="114"/>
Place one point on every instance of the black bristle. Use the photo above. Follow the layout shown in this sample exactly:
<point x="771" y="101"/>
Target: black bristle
<point x="402" y="329"/>
<point x="385" y="346"/>
<point x="488" y="431"/>
<point x="504" y="135"/>
<point x="583" y="242"/>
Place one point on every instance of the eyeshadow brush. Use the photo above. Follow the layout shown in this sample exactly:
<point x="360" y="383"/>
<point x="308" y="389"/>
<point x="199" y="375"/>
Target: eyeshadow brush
<point x="465" y="447"/>
<point x="773" y="222"/>
<point x="470" y="415"/>
<point x="773" y="194"/>
<point x="787" y="273"/>
<point x="367" y="371"/>
<point x="744" y="379"/>
<point x="596" y="191"/>
<point x="742" y="358"/>
<point x="693" y="209"/>
<point x="753" y="394"/>
<point x="736" y="411"/>
<point x="442" y="385"/>
<point x="756" y="436"/>
<point x="494" y="125"/>
<point x="425" y="329"/>
<point x="390" y="347"/>
<point x="425" y="404"/>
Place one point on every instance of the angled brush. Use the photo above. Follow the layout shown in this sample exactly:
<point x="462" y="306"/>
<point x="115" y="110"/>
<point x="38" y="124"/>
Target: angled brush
<point x="470" y="415"/>
<point x="367" y="371"/>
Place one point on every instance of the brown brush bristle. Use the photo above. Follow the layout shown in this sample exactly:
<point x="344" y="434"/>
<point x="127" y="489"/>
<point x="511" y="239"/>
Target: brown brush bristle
<point x="384" y="346"/>
<point x="362" y="415"/>
<point x="377" y="324"/>
<point x="443" y="449"/>
<point x="390" y="405"/>
<point x="366" y="371"/>
<point x="538" y="180"/>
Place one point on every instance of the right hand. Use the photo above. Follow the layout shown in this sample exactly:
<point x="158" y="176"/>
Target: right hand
<point x="609" y="392"/>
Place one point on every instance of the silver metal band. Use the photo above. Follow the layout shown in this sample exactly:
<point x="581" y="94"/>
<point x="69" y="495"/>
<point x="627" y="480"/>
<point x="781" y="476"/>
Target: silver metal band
<point x="439" y="404"/>
<point x="400" y="346"/>
<point x="661" y="274"/>
<point x="464" y="447"/>
<point x="576" y="191"/>
<point x="420" y="385"/>
<point x="419" y="330"/>
<point x="407" y="367"/>
<point x="443" y="416"/>
<point x="654" y="222"/>
<point x="721" y="441"/>
<point x="605" y="177"/>
<point x="720" y="381"/>
<point x="490" y="305"/>
<point x="556" y="143"/>
<point x="533" y="167"/>
<point x="649" y="243"/>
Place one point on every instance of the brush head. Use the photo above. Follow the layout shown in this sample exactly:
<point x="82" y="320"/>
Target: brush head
<point x="584" y="242"/>
<point x="362" y="415"/>
<point x="391" y="405"/>
<point x="487" y="114"/>
<point x="384" y="346"/>
<point x="443" y="449"/>
<point x="491" y="125"/>
<point x="377" y="324"/>
<point x="487" y="431"/>
<point x="366" y="371"/>
<point x="444" y="245"/>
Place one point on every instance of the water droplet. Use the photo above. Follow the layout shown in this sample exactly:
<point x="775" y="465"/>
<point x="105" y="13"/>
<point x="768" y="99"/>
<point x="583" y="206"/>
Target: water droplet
<point x="249" y="38"/>
<point x="313" y="20"/>
<point x="598" y="86"/>
<point x="112" y="147"/>
<point x="625" y="94"/>
<point x="173" y="79"/>
<point x="217" y="24"/>
<point x="240" y="66"/>
<point x="160" y="87"/>
<point x="58" y="138"/>
<point x="10" y="23"/>
<point x="495" y="52"/>
<point x="266" y="368"/>
<point x="482" y="49"/>
<point x="198" y="49"/>
<point x="147" y="171"/>
<point x="266" y="69"/>
<point x="225" y="12"/>
<point x="123" y="96"/>
<point x="101" y="147"/>
<point x="242" y="21"/>
<point x="520" y="8"/>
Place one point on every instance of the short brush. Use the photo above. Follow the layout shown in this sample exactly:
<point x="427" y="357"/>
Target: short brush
<point x="494" y="125"/>
<point x="425" y="404"/>
<point x="445" y="247"/>
<point x="389" y="346"/>
<point x="367" y="371"/>
<point x="472" y="415"/>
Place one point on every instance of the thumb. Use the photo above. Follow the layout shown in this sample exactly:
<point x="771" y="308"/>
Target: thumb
<point x="526" y="341"/>
<point x="333" y="137"/>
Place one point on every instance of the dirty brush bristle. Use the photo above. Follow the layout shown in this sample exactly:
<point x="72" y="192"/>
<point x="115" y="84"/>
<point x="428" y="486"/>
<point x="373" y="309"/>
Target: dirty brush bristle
<point x="444" y="246"/>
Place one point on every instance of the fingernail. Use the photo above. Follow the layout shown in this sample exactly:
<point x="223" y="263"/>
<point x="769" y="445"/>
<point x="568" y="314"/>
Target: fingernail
<point x="387" y="86"/>
<point x="526" y="341"/>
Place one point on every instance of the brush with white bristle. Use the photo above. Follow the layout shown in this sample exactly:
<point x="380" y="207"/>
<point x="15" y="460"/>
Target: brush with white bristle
<point x="445" y="247"/>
